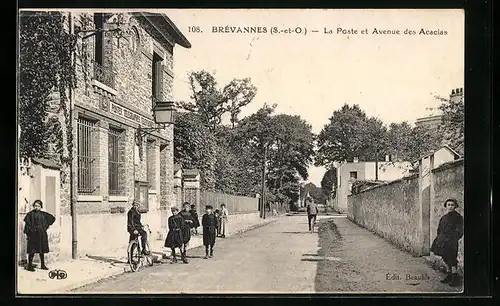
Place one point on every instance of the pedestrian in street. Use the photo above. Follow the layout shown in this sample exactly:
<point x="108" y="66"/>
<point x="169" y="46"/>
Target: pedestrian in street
<point x="312" y="212"/>
<point x="218" y="221"/>
<point x="209" y="223"/>
<point x="449" y="232"/>
<point x="224" y="213"/>
<point x="186" y="229"/>
<point x="175" y="230"/>
<point x="36" y="224"/>
<point x="134" y="226"/>
<point x="196" y="220"/>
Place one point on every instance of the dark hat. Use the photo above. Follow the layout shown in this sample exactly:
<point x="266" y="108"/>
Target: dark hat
<point x="209" y="207"/>
<point x="193" y="206"/>
<point x="452" y="200"/>
<point x="39" y="202"/>
<point x="174" y="208"/>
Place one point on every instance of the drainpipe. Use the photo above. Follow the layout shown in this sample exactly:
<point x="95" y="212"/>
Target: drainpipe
<point x="73" y="191"/>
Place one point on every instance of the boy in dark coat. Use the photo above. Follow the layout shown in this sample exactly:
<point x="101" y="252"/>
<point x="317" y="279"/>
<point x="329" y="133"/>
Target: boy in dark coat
<point x="449" y="232"/>
<point x="186" y="229"/>
<point x="174" y="236"/>
<point x="36" y="224"/>
<point x="209" y="223"/>
<point x="194" y="217"/>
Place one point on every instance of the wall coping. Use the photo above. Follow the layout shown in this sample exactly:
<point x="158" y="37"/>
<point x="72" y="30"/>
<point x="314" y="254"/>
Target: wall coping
<point x="406" y="178"/>
<point x="89" y="198"/>
<point x="448" y="165"/>
<point x="118" y="198"/>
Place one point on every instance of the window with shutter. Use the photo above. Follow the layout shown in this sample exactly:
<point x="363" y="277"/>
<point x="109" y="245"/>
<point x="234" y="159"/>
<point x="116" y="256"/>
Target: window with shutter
<point x="157" y="76"/>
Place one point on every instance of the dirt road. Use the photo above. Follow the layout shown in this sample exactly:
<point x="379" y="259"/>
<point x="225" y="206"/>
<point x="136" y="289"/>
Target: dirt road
<point x="283" y="257"/>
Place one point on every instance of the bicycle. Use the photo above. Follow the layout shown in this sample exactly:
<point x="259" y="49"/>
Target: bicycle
<point x="134" y="252"/>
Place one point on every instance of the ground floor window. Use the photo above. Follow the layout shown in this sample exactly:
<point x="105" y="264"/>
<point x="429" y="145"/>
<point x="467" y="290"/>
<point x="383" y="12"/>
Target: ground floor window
<point x="86" y="155"/>
<point x="115" y="161"/>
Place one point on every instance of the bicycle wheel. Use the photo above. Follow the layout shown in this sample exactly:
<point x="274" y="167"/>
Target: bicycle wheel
<point x="134" y="258"/>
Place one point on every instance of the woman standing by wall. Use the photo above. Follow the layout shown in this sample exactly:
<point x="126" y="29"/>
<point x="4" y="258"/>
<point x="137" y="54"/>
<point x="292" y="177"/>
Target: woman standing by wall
<point x="449" y="232"/>
<point x="36" y="224"/>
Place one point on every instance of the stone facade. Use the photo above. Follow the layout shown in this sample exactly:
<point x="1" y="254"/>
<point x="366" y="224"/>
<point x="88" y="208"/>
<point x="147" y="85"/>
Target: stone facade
<point x="117" y="98"/>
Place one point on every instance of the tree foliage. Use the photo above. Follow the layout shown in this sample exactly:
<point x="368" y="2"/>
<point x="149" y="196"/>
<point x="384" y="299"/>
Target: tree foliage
<point x="288" y="141"/>
<point x="349" y="134"/>
<point x="328" y="181"/>
<point x="453" y="123"/>
<point x="212" y="103"/>
<point x="195" y="147"/>
<point x="45" y="55"/>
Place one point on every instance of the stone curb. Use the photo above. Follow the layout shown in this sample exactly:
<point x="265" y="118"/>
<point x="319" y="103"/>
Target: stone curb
<point x="156" y="258"/>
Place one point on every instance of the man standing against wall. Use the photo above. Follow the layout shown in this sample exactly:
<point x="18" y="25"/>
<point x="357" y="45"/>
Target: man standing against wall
<point x="224" y="213"/>
<point x="312" y="212"/>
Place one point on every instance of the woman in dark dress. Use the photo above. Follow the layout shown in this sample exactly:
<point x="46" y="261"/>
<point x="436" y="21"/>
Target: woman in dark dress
<point x="194" y="217"/>
<point x="174" y="236"/>
<point x="36" y="224"/>
<point x="209" y="223"/>
<point x="186" y="229"/>
<point x="449" y="232"/>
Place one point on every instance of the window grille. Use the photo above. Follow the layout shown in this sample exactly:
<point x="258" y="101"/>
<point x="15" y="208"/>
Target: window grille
<point x="86" y="156"/>
<point x="115" y="161"/>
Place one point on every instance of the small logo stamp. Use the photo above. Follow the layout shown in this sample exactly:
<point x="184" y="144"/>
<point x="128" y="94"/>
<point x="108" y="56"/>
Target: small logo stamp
<point x="58" y="274"/>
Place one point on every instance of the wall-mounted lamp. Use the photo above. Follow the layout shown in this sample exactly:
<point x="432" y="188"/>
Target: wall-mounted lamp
<point x="163" y="113"/>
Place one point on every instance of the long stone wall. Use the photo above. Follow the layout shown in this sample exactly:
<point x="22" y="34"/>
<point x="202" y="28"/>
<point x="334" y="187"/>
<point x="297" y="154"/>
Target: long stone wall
<point x="391" y="211"/>
<point x="394" y="210"/>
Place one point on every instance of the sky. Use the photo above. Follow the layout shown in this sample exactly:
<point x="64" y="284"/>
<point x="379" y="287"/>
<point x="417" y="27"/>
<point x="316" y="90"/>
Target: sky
<point x="392" y="77"/>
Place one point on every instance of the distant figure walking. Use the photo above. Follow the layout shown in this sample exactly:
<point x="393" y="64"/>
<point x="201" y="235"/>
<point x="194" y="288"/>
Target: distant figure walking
<point x="224" y="213"/>
<point x="195" y="218"/>
<point x="36" y="224"/>
<point x="312" y="212"/>
<point x="449" y="232"/>
<point x="209" y="223"/>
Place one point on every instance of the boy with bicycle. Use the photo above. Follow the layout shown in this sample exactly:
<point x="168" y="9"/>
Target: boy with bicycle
<point x="134" y="226"/>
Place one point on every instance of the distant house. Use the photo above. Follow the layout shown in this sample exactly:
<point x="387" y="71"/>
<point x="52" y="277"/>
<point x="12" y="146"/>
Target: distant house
<point x="434" y="117"/>
<point x="349" y="172"/>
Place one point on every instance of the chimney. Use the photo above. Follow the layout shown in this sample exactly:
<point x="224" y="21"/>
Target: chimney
<point x="387" y="158"/>
<point x="355" y="160"/>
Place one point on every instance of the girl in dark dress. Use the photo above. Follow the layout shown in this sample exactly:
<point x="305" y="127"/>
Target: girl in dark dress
<point x="36" y="224"/>
<point x="209" y="223"/>
<point x="186" y="230"/>
<point x="174" y="236"/>
<point x="194" y="217"/>
<point x="449" y="232"/>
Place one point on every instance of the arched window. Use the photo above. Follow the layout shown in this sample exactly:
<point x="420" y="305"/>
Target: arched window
<point x="134" y="40"/>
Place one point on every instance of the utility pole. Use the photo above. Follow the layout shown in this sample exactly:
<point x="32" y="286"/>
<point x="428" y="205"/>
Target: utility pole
<point x="264" y="166"/>
<point x="72" y="187"/>
<point x="376" y="164"/>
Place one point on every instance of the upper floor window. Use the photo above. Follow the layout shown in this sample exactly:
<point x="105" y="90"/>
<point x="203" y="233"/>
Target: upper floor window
<point x="157" y="76"/>
<point x="99" y="38"/>
<point x="353" y="175"/>
<point x="103" y="71"/>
